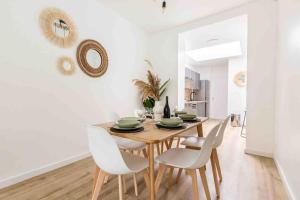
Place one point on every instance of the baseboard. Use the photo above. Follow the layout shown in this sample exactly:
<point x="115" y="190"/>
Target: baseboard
<point x="286" y="185"/>
<point x="35" y="172"/>
<point x="258" y="153"/>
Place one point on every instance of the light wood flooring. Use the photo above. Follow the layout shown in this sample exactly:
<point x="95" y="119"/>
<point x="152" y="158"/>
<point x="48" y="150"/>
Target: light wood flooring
<point x="245" y="177"/>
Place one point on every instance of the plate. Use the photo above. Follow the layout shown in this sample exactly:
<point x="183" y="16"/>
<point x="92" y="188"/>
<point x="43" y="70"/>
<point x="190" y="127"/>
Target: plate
<point x="192" y="120"/>
<point x="160" y="125"/>
<point x="136" y="130"/>
<point x="126" y="129"/>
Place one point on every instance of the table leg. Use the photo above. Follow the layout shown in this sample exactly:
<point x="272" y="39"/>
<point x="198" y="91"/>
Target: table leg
<point x="151" y="170"/>
<point x="200" y="130"/>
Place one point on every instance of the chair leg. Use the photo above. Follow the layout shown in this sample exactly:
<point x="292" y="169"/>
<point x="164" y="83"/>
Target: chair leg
<point x="161" y="147"/>
<point x="146" y="178"/>
<point x="97" y="171"/>
<point x="145" y="153"/>
<point x="170" y="177"/>
<point x="214" y="171"/>
<point x="124" y="184"/>
<point x="120" y="187"/>
<point x="98" y="185"/>
<point x="178" y="175"/>
<point x="178" y="142"/>
<point x="157" y="149"/>
<point x="193" y="174"/>
<point x="136" y="192"/>
<point x="204" y="182"/>
<point x="216" y="158"/>
<point x="161" y="171"/>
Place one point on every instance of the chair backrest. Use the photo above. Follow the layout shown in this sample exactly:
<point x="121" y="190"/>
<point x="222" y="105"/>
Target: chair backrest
<point x="219" y="138"/>
<point x="206" y="149"/>
<point x="105" y="151"/>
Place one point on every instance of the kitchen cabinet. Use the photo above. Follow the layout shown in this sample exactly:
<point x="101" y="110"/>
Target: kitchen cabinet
<point x="192" y="79"/>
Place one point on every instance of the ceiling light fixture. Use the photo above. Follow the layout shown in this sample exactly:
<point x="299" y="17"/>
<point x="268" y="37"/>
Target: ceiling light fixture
<point x="164" y="6"/>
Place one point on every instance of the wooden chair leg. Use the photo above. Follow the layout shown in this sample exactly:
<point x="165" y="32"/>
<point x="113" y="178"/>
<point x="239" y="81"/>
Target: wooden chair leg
<point x="161" y="147"/>
<point x="204" y="182"/>
<point x="214" y="171"/>
<point x="178" y="142"/>
<point x="98" y="185"/>
<point x="161" y="171"/>
<point x="97" y="170"/>
<point x="145" y="153"/>
<point x="216" y="158"/>
<point x="170" y="177"/>
<point x="120" y="187"/>
<point x="193" y="174"/>
<point x="157" y="149"/>
<point x="178" y="175"/>
<point x="146" y="178"/>
<point x="136" y="192"/>
<point x="124" y="184"/>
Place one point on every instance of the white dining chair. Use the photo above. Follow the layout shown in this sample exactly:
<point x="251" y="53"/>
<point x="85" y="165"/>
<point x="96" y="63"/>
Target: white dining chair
<point x="197" y="143"/>
<point x="127" y="144"/>
<point x="130" y="146"/>
<point x="189" y="159"/>
<point x="111" y="161"/>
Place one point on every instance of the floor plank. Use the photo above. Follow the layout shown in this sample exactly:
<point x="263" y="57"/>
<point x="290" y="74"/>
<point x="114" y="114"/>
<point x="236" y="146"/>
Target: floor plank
<point x="244" y="177"/>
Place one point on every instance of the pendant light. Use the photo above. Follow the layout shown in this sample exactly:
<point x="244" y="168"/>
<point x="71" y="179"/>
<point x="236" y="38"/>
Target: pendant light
<point x="164" y="6"/>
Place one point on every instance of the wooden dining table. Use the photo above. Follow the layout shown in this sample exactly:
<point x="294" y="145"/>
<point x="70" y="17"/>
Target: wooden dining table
<point x="153" y="135"/>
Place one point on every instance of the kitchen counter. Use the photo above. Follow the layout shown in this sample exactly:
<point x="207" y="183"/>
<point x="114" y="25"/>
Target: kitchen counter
<point x="194" y="102"/>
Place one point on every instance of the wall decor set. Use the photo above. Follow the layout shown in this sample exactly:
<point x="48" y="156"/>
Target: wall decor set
<point x="60" y="30"/>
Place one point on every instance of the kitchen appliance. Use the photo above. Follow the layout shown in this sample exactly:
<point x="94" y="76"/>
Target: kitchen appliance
<point x="200" y="104"/>
<point x="204" y="95"/>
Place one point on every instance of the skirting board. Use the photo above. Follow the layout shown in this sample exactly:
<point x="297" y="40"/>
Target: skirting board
<point x="258" y="153"/>
<point x="286" y="185"/>
<point x="35" y="172"/>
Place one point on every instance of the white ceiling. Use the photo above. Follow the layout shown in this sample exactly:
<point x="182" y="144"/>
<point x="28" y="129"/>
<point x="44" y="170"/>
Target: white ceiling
<point x="234" y="29"/>
<point x="148" y="13"/>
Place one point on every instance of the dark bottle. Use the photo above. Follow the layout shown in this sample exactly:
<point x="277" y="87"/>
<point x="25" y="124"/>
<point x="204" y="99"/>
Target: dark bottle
<point x="167" y="112"/>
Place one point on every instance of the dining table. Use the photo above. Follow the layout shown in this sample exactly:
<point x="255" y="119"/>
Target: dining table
<point x="152" y="135"/>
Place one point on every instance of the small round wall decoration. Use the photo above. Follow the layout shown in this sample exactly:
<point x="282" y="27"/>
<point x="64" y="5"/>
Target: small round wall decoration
<point x="240" y="79"/>
<point x="57" y="27"/>
<point x="66" y="65"/>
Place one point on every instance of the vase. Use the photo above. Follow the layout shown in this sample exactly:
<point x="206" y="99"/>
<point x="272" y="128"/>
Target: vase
<point x="158" y="111"/>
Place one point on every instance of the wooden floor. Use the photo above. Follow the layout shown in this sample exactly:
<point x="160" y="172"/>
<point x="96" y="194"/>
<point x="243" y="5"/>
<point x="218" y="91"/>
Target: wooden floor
<point x="245" y="177"/>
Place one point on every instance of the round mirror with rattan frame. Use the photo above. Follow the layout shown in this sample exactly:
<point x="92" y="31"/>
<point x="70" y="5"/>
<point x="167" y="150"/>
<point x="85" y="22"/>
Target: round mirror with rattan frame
<point x="83" y="63"/>
<point x="48" y="17"/>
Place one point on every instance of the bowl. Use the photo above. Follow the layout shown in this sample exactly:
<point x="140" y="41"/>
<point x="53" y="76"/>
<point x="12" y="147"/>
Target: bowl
<point x="127" y="123"/>
<point x="187" y="116"/>
<point x="130" y="118"/>
<point x="179" y="113"/>
<point x="171" y="122"/>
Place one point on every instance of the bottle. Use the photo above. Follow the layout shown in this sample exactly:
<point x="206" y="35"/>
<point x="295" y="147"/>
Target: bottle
<point x="167" y="112"/>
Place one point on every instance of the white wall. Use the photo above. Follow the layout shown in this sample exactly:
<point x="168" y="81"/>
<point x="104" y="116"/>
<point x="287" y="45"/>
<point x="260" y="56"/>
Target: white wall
<point x="262" y="27"/>
<point x="287" y="148"/>
<point x="237" y="96"/>
<point x="43" y="113"/>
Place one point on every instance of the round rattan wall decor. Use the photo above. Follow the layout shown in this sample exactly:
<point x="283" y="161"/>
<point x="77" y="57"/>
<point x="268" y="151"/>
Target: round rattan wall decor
<point x="66" y="65"/>
<point x="92" y="58"/>
<point x="240" y="79"/>
<point x="57" y="27"/>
